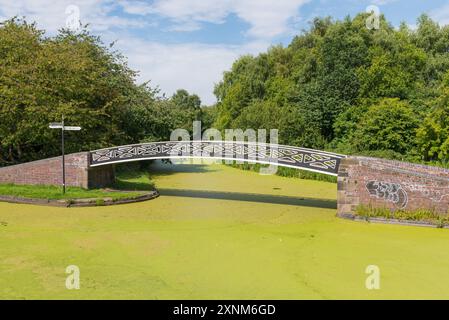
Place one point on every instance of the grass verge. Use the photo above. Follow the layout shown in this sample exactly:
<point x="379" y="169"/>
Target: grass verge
<point x="128" y="178"/>
<point x="55" y="193"/>
<point x="421" y="215"/>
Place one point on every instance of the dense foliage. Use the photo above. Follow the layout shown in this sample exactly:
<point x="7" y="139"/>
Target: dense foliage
<point x="337" y="86"/>
<point x="75" y="75"/>
<point x="343" y="87"/>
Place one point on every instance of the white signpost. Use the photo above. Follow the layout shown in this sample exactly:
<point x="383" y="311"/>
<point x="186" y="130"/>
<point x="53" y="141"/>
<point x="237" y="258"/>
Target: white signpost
<point x="62" y="127"/>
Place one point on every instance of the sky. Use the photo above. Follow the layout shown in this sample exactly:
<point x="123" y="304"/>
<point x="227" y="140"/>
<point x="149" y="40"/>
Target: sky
<point x="190" y="43"/>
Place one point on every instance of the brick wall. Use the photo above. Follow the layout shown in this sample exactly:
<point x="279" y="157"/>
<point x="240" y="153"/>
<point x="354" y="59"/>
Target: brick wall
<point x="391" y="184"/>
<point x="49" y="172"/>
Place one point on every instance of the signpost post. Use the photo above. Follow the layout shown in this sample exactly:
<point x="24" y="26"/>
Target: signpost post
<point x="60" y="125"/>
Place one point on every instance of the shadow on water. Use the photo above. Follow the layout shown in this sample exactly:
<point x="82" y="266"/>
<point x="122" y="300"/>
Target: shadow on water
<point x="251" y="197"/>
<point x="138" y="176"/>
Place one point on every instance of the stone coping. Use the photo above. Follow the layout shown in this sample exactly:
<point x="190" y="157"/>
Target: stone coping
<point x="41" y="161"/>
<point x="86" y="202"/>
<point x="353" y="217"/>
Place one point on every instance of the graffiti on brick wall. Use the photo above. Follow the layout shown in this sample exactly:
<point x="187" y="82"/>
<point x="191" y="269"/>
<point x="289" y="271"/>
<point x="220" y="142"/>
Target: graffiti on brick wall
<point x="390" y="192"/>
<point x="436" y="195"/>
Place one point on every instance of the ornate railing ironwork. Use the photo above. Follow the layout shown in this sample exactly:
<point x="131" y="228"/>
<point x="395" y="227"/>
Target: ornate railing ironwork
<point x="280" y="155"/>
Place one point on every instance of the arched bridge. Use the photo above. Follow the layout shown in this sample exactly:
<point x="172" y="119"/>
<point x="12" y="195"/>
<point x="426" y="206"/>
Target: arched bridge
<point x="378" y="183"/>
<point x="280" y="155"/>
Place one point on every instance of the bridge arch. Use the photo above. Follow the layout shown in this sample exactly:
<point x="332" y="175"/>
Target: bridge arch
<point x="373" y="182"/>
<point x="279" y="155"/>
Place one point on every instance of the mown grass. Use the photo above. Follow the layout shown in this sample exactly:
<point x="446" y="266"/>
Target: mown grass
<point x="55" y="192"/>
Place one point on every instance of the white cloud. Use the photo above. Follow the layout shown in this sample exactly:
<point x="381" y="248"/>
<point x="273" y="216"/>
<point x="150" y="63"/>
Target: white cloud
<point x="267" y="18"/>
<point x="195" y="67"/>
<point x="51" y="15"/>
<point x="136" y="7"/>
<point x="441" y="15"/>
<point x="193" y="10"/>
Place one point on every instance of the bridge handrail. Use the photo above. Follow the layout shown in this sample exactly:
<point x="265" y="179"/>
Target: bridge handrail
<point x="246" y="151"/>
<point x="342" y="156"/>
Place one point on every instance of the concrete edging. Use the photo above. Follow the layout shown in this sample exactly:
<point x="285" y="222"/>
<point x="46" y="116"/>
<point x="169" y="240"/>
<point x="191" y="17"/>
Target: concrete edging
<point x="88" y="202"/>
<point x="353" y="217"/>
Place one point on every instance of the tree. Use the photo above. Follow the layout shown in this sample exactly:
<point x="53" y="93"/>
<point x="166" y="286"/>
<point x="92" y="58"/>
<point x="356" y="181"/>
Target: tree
<point x="433" y="133"/>
<point x="339" y="85"/>
<point x="75" y="75"/>
<point x="389" y="125"/>
<point x="189" y="105"/>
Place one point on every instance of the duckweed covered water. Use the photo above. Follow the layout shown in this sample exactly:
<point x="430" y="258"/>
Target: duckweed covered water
<point x="217" y="233"/>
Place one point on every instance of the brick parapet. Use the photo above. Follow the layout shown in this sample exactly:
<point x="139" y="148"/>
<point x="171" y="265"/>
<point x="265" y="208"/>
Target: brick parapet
<point x="49" y="172"/>
<point x="395" y="185"/>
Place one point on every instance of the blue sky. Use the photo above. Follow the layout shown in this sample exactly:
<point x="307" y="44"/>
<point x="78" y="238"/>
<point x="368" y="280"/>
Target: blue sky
<point x="189" y="43"/>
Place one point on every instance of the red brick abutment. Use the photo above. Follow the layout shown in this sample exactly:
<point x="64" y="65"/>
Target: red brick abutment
<point x="49" y="172"/>
<point x="374" y="182"/>
<point x="395" y="185"/>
